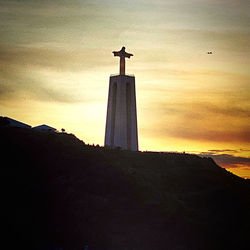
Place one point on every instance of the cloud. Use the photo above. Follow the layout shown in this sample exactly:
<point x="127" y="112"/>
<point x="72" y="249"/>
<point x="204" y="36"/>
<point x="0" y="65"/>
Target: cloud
<point x="244" y="150"/>
<point x="216" y="151"/>
<point x="228" y="160"/>
<point x="57" y="59"/>
<point x="219" y="40"/>
<point x="15" y="84"/>
<point x="209" y="118"/>
<point x="47" y="74"/>
<point x="209" y="134"/>
<point x="232" y="111"/>
<point x="68" y="23"/>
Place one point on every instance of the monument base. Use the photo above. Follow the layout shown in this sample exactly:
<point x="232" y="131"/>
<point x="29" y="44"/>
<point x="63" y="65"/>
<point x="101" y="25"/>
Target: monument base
<point x="121" y="121"/>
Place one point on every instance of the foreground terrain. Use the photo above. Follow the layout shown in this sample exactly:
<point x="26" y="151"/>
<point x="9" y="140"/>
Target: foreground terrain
<point x="59" y="193"/>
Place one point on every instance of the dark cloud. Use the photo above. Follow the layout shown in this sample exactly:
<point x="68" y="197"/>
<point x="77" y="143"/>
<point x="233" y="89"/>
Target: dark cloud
<point x="227" y="110"/>
<point x="210" y="134"/>
<point x="203" y="121"/>
<point x="244" y="150"/>
<point x="53" y="59"/>
<point x="228" y="160"/>
<point x="220" y="151"/>
<point x="216" y="151"/>
<point x="202" y="106"/>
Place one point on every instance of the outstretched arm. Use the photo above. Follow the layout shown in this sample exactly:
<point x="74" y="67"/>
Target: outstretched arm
<point x="128" y="55"/>
<point x="116" y="53"/>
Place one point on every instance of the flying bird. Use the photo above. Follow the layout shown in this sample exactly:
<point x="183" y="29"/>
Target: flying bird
<point x="210" y="52"/>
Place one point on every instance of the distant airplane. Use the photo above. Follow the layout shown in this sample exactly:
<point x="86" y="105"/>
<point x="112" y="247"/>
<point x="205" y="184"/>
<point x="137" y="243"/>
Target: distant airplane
<point x="210" y="52"/>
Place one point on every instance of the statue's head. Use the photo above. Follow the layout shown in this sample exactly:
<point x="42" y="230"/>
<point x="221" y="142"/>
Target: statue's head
<point x="123" y="48"/>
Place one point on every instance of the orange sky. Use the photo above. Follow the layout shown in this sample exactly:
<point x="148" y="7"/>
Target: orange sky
<point x="56" y="60"/>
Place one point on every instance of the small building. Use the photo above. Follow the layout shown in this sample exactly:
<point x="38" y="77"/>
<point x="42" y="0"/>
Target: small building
<point x="8" y="122"/>
<point x="45" y="128"/>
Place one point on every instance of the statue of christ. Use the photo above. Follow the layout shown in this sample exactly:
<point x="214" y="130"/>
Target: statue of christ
<point x="122" y="54"/>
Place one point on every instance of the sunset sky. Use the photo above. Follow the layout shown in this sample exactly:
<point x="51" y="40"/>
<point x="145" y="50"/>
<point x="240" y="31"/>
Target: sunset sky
<point x="56" y="59"/>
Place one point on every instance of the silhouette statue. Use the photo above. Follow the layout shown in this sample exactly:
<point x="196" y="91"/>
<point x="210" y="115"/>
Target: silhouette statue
<point x="121" y="120"/>
<point x="122" y="54"/>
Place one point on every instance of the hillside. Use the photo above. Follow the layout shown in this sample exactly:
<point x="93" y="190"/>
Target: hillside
<point x="59" y="193"/>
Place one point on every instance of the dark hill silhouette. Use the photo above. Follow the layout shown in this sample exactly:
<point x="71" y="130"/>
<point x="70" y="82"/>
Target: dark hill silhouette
<point x="59" y="193"/>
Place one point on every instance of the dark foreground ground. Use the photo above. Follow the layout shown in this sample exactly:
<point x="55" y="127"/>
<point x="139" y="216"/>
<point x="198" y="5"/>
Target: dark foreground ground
<point x="58" y="193"/>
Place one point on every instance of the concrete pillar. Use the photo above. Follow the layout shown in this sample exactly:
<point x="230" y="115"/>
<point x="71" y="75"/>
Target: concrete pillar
<point x="121" y="120"/>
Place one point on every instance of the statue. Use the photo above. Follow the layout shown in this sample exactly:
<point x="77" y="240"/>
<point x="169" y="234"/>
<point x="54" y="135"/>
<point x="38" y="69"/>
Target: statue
<point x="122" y="54"/>
<point x="121" y="120"/>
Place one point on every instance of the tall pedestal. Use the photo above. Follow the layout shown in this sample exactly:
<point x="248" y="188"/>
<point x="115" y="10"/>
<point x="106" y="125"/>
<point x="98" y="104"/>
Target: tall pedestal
<point x="121" y="121"/>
